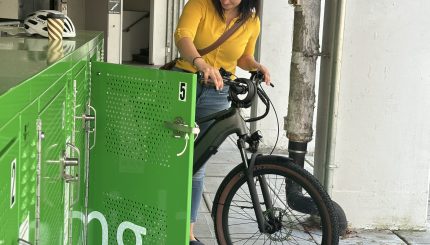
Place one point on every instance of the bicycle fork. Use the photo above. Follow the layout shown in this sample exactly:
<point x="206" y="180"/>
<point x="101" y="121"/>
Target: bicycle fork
<point x="263" y="224"/>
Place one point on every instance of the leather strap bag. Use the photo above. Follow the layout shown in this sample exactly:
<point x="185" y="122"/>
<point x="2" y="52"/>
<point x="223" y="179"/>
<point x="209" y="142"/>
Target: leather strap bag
<point x="216" y="44"/>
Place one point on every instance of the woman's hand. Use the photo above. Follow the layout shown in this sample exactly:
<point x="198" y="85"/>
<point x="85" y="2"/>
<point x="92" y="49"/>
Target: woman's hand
<point x="261" y="68"/>
<point x="248" y="63"/>
<point x="211" y="74"/>
<point x="189" y="52"/>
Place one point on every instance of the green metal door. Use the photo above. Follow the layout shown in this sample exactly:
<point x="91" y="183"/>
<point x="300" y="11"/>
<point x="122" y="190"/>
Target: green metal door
<point x="140" y="170"/>
<point x="53" y="208"/>
<point x="27" y="172"/>
<point x="9" y="162"/>
<point x="80" y="98"/>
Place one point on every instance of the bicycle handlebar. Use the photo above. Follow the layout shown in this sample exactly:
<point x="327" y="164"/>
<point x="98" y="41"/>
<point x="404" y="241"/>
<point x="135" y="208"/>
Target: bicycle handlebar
<point x="240" y="86"/>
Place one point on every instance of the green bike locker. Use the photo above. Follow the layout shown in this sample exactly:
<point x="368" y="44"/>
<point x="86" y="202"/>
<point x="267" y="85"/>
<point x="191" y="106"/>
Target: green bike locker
<point x="91" y="152"/>
<point x="141" y="159"/>
<point x="52" y="208"/>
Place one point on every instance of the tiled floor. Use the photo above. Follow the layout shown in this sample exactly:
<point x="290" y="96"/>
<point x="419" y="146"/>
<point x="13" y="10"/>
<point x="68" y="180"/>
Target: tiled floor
<point x="223" y="162"/>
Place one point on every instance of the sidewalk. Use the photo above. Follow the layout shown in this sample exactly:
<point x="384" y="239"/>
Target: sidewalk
<point x="227" y="158"/>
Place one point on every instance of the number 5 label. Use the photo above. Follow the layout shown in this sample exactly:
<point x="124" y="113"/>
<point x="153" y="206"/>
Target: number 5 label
<point x="182" y="91"/>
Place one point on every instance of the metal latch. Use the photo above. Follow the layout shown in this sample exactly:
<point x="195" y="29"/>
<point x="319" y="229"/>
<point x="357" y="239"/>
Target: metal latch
<point x="70" y="162"/>
<point x="180" y="129"/>
<point x="87" y="118"/>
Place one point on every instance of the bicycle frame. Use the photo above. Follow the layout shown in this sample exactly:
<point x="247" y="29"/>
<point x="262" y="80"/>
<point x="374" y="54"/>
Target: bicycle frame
<point x="227" y="122"/>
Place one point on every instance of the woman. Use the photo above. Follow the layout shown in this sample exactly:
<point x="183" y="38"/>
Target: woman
<point x="202" y="22"/>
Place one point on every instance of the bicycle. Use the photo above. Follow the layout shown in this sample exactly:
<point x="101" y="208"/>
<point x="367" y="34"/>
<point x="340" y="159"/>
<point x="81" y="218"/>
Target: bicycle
<point x="278" y="200"/>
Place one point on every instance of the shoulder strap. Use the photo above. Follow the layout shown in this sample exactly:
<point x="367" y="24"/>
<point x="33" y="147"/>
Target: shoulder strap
<point x="221" y="39"/>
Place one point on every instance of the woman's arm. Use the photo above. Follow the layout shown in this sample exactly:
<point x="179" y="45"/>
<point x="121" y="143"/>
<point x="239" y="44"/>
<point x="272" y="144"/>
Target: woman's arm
<point x="186" y="32"/>
<point x="248" y="63"/>
<point x="189" y="52"/>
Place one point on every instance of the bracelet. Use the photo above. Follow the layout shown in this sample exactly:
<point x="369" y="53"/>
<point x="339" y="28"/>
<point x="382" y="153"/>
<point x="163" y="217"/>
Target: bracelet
<point x="194" y="60"/>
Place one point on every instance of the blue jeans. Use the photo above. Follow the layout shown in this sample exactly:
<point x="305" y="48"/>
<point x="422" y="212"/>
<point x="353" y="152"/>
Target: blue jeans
<point x="208" y="101"/>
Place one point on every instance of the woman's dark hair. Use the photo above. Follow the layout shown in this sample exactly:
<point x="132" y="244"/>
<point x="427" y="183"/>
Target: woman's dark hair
<point x="246" y="9"/>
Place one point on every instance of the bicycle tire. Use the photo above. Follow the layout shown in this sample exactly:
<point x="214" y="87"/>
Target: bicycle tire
<point x="278" y="166"/>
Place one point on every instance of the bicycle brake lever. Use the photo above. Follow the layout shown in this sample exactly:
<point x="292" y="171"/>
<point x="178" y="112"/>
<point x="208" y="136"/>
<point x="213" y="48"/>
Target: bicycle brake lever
<point x="224" y="73"/>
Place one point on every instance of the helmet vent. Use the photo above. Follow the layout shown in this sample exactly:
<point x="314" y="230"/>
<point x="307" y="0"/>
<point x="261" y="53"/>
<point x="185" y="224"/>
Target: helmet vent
<point x="43" y="17"/>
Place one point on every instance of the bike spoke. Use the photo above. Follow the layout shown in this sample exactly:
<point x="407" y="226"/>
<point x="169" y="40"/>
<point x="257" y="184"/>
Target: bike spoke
<point x="297" y="228"/>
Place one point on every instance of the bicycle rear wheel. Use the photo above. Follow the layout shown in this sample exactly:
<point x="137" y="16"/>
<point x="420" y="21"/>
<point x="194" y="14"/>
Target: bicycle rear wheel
<point x="234" y="217"/>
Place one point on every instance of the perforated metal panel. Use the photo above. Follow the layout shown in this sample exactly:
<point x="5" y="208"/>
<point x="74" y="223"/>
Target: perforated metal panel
<point x="139" y="172"/>
<point x="27" y="169"/>
<point x="79" y="90"/>
<point x="9" y="156"/>
<point x="51" y="182"/>
<point x="135" y="113"/>
<point x="119" y="209"/>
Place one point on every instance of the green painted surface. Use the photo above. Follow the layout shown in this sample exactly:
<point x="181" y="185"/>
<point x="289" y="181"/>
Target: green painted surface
<point x="9" y="162"/>
<point x="25" y="72"/>
<point x="78" y="191"/>
<point x="27" y="170"/>
<point x="52" y="198"/>
<point x="135" y="173"/>
<point x="27" y="56"/>
<point x="33" y="85"/>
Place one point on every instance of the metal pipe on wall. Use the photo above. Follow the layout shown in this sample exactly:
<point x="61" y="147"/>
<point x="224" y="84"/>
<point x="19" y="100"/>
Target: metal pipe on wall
<point x="174" y="9"/>
<point x="254" y="107"/>
<point x="328" y="96"/>
<point x="169" y="30"/>
<point x="176" y="12"/>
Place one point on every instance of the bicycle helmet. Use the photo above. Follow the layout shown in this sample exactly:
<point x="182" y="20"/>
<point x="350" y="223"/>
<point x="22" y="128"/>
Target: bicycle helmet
<point x="36" y="23"/>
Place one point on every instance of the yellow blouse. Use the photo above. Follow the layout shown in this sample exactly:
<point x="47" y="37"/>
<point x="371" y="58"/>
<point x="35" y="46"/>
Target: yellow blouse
<point x="200" y="22"/>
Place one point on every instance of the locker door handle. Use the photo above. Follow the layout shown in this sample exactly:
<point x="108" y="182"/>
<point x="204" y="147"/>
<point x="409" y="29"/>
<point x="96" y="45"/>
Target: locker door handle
<point x="71" y="162"/>
<point x="92" y="118"/>
<point x="68" y="161"/>
<point x="87" y="118"/>
<point x="180" y="129"/>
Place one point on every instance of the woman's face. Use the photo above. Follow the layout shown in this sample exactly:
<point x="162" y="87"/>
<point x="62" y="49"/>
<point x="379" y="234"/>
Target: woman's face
<point x="230" y="4"/>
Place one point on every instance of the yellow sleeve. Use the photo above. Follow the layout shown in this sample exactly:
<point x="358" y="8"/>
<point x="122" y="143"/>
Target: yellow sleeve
<point x="191" y="16"/>
<point x="255" y="29"/>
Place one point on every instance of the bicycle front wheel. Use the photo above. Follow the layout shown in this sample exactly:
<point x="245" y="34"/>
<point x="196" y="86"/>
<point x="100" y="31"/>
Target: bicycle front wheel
<point x="296" y="206"/>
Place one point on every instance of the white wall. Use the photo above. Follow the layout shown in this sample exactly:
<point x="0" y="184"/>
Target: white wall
<point x="158" y="28"/>
<point x="9" y="9"/>
<point x="276" y="42"/>
<point x="382" y="134"/>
